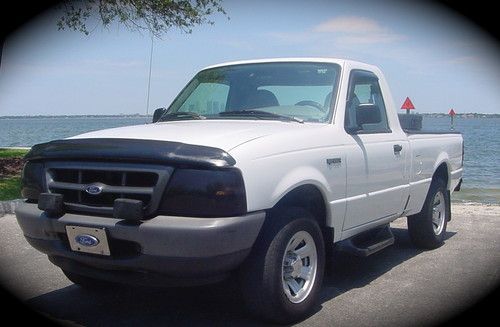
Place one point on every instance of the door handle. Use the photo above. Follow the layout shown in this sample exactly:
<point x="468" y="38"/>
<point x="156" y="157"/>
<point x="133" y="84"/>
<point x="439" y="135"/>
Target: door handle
<point x="397" y="148"/>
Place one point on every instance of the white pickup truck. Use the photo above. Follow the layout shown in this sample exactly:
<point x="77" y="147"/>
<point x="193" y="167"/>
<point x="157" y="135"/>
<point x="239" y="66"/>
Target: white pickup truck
<point x="258" y="168"/>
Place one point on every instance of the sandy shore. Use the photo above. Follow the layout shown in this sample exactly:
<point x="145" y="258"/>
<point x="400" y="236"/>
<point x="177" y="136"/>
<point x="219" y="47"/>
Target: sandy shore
<point x="476" y="209"/>
<point x="462" y="210"/>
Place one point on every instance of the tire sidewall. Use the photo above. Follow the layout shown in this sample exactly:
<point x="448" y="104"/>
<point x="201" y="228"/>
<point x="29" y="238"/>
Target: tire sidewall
<point x="436" y="187"/>
<point x="274" y="262"/>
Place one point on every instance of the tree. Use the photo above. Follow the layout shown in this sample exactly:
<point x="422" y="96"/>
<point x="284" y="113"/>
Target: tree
<point x="153" y="16"/>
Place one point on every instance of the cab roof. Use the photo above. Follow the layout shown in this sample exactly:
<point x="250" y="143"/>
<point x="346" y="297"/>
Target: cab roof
<point x="341" y="62"/>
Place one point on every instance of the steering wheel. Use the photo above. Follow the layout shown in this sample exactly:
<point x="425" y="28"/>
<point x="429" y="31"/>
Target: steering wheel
<point x="311" y="103"/>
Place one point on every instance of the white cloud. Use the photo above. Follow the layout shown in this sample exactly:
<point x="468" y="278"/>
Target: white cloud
<point x="464" y="60"/>
<point x="342" y="31"/>
<point x="357" y="30"/>
<point x="349" y="24"/>
<point x="368" y="39"/>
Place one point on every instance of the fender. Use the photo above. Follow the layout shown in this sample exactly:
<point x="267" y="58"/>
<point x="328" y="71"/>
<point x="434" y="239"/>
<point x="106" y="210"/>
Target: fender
<point x="308" y="175"/>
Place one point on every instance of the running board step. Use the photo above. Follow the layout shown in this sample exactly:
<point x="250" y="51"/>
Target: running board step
<point x="368" y="243"/>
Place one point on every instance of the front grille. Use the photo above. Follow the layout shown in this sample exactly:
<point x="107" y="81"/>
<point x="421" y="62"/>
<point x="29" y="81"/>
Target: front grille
<point x="93" y="187"/>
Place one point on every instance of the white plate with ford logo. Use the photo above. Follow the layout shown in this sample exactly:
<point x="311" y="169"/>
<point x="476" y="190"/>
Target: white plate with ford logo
<point x="88" y="239"/>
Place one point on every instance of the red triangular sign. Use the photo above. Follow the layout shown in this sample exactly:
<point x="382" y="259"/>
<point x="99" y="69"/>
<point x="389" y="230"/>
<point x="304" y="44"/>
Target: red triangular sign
<point x="407" y="104"/>
<point x="452" y="112"/>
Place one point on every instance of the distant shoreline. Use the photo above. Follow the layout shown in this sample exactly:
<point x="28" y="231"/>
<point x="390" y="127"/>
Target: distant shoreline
<point x="433" y="115"/>
<point x="462" y="115"/>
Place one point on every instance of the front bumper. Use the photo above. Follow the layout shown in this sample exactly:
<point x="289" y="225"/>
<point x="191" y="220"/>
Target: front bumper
<point x="164" y="248"/>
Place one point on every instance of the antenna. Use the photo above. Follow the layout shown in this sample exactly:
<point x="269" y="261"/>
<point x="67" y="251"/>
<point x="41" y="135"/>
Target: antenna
<point x="149" y="78"/>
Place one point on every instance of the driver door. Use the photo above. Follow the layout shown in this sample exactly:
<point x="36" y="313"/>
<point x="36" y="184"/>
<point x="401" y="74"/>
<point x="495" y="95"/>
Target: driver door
<point x="376" y="155"/>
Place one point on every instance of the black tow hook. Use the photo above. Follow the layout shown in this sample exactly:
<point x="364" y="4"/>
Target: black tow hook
<point x="51" y="203"/>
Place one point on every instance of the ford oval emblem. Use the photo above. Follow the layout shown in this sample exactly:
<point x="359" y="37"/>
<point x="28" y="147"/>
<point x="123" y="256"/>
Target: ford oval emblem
<point x="86" y="240"/>
<point x="94" y="189"/>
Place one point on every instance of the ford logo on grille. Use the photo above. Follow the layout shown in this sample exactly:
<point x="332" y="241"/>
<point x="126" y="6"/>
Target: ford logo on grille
<point x="94" y="189"/>
<point x="86" y="240"/>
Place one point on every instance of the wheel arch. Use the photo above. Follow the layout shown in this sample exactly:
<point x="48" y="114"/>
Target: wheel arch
<point x="311" y="198"/>
<point x="442" y="172"/>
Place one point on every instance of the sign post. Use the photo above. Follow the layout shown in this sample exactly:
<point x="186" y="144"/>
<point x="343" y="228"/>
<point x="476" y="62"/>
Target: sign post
<point x="452" y="116"/>
<point x="408" y="105"/>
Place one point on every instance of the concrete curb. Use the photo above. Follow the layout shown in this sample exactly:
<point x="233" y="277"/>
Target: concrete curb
<point x="8" y="207"/>
<point x="15" y="147"/>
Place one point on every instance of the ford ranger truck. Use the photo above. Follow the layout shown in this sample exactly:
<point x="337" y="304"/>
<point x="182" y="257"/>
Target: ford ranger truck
<point x="257" y="169"/>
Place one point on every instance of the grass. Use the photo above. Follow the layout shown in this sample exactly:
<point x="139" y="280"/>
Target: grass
<point x="10" y="188"/>
<point x="12" y="153"/>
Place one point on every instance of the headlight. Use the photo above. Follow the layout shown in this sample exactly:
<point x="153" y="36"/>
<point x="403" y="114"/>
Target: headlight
<point x="32" y="180"/>
<point x="204" y="193"/>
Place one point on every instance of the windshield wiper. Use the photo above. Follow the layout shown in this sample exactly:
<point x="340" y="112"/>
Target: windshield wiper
<point x="259" y="114"/>
<point x="181" y="115"/>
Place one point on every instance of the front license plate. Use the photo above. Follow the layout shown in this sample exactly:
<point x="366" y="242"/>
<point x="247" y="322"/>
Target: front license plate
<point x="88" y="239"/>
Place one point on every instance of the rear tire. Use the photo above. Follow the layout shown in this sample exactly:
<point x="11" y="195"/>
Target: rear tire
<point x="282" y="277"/>
<point x="428" y="227"/>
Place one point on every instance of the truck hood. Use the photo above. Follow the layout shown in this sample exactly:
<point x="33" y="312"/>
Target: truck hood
<point x="222" y="134"/>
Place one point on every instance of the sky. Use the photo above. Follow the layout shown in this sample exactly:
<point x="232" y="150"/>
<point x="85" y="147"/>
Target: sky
<point x="428" y="53"/>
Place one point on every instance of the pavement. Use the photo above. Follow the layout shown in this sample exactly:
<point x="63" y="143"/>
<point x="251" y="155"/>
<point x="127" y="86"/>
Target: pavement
<point x="7" y="207"/>
<point x="399" y="286"/>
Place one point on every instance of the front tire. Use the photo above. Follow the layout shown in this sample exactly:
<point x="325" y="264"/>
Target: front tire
<point x="282" y="277"/>
<point x="428" y="227"/>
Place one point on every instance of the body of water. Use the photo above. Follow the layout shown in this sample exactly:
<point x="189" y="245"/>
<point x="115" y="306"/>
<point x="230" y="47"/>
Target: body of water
<point x="482" y="154"/>
<point x="482" y="144"/>
<point x="30" y="131"/>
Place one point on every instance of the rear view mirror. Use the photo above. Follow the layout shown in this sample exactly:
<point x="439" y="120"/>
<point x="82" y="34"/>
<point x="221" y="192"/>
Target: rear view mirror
<point x="158" y="114"/>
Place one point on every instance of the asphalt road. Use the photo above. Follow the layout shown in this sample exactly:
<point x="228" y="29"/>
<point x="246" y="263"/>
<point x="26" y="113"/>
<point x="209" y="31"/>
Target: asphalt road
<point x="399" y="286"/>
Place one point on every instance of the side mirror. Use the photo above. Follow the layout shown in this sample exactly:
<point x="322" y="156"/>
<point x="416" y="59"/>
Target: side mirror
<point x="352" y="129"/>
<point x="158" y="114"/>
<point x="368" y="113"/>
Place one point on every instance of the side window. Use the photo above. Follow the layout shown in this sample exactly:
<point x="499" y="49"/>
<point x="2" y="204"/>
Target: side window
<point x="207" y="99"/>
<point x="365" y="109"/>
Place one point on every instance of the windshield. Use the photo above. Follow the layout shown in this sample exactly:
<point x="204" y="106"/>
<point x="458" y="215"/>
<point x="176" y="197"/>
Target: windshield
<point x="291" y="91"/>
